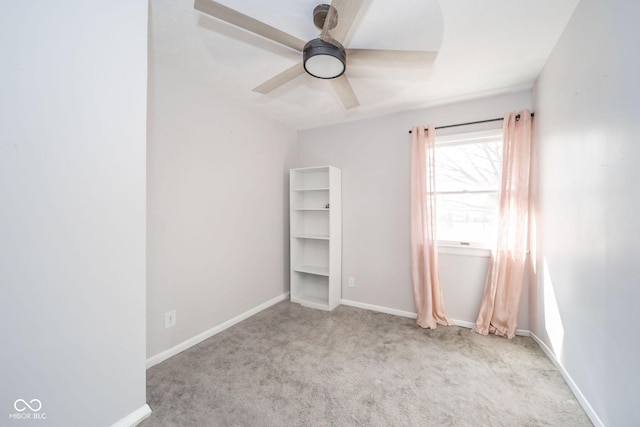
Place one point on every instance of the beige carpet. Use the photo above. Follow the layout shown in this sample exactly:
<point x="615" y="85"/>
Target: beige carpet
<point x="294" y="366"/>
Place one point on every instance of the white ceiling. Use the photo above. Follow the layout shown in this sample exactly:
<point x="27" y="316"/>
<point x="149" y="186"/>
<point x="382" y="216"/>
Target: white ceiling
<point x="484" y="48"/>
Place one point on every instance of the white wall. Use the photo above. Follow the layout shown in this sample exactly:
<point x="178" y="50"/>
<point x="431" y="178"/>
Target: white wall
<point x="72" y="210"/>
<point x="374" y="156"/>
<point x="584" y="290"/>
<point x="217" y="205"/>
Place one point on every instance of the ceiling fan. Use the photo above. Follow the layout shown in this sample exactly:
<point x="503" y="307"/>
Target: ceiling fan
<point x="323" y="57"/>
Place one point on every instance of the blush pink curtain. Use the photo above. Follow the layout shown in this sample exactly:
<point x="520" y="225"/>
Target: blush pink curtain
<point x="501" y="298"/>
<point x="424" y="252"/>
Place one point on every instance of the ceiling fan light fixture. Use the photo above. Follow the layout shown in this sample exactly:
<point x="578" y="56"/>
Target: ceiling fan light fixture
<point x="324" y="60"/>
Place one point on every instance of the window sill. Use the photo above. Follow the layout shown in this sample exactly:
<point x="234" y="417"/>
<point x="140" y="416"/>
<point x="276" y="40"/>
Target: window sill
<point x="452" y="249"/>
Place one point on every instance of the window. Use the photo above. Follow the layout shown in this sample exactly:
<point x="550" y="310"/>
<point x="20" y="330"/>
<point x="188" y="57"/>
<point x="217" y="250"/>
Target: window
<point x="467" y="182"/>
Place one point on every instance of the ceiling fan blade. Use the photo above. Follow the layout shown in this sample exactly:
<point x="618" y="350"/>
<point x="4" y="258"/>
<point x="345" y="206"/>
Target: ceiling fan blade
<point x="238" y="19"/>
<point x="347" y="12"/>
<point x="345" y="92"/>
<point x="280" y="79"/>
<point x="329" y="21"/>
<point x="390" y="58"/>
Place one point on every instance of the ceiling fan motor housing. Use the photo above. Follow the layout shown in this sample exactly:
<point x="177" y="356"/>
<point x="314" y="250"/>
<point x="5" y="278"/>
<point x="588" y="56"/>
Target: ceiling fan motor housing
<point x="324" y="60"/>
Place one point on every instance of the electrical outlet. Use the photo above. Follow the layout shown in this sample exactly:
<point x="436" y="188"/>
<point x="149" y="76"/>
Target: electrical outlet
<point x="352" y="282"/>
<point x="170" y="319"/>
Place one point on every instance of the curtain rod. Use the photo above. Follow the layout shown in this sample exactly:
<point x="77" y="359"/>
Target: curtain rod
<point x="474" y="123"/>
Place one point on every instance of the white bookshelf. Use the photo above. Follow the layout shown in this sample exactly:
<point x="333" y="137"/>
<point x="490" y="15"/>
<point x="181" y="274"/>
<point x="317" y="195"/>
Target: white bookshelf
<point x="316" y="236"/>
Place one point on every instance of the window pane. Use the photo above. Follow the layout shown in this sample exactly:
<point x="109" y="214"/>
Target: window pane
<point x="468" y="166"/>
<point x="467" y="217"/>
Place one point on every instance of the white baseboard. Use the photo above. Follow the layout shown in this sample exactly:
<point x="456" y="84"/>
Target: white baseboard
<point x="134" y="418"/>
<point x="380" y="309"/>
<point x="410" y="315"/>
<point x="597" y="422"/>
<point x="470" y="325"/>
<point x="162" y="356"/>
<point x="463" y="323"/>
